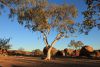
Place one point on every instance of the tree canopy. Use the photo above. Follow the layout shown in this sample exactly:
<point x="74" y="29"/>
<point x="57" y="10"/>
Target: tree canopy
<point x="36" y="14"/>
<point x="4" y="44"/>
<point x="75" y="44"/>
<point x="91" y="16"/>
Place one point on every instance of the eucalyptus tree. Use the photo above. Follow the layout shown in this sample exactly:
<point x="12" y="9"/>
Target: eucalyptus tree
<point x="80" y="44"/>
<point x="75" y="44"/>
<point x="4" y="44"/>
<point x="40" y="15"/>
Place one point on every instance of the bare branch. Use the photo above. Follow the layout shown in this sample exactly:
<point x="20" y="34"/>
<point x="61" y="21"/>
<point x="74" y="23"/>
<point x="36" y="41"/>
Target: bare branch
<point x="45" y="39"/>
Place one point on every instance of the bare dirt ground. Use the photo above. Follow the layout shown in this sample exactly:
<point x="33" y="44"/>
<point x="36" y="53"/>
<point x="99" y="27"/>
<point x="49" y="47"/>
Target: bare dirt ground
<point x="15" y="61"/>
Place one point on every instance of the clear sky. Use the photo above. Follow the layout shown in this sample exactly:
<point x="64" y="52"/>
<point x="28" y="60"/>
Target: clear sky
<point x="22" y="37"/>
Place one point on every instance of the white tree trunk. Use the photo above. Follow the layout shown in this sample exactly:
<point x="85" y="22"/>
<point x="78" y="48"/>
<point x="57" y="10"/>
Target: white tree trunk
<point x="48" y="54"/>
<point x="52" y="44"/>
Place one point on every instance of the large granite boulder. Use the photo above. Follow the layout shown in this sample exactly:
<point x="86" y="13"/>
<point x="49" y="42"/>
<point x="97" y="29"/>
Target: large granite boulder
<point x="86" y="51"/>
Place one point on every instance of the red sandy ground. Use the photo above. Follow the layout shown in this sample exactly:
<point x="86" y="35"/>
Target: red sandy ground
<point x="15" y="61"/>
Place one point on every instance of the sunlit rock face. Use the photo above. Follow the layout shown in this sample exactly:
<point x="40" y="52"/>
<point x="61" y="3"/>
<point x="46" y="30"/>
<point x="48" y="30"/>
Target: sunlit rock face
<point x="89" y="48"/>
<point x="86" y="51"/>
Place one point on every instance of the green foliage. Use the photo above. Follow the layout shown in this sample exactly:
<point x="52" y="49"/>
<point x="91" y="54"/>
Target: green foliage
<point x="35" y="14"/>
<point x="4" y="44"/>
<point x="75" y="44"/>
<point x="91" y="16"/>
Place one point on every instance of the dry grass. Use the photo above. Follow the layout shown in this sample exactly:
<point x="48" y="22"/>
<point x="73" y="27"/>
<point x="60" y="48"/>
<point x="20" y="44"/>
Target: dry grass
<point x="15" y="61"/>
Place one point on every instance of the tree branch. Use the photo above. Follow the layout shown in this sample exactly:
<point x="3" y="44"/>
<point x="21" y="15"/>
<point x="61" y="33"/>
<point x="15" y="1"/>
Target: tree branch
<point x="4" y="3"/>
<point x="45" y="39"/>
<point x="59" y="36"/>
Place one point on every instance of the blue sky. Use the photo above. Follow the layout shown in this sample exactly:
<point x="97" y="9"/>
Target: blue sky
<point x="22" y="37"/>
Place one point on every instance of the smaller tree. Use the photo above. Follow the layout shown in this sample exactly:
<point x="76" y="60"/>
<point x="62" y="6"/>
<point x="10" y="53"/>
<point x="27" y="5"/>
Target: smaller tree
<point x="21" y="49"/>
<point x="4" y="45"/>
<point x="75" y="44"/>
<point x="80" y="44"/>
<point x="37" y="52"/>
